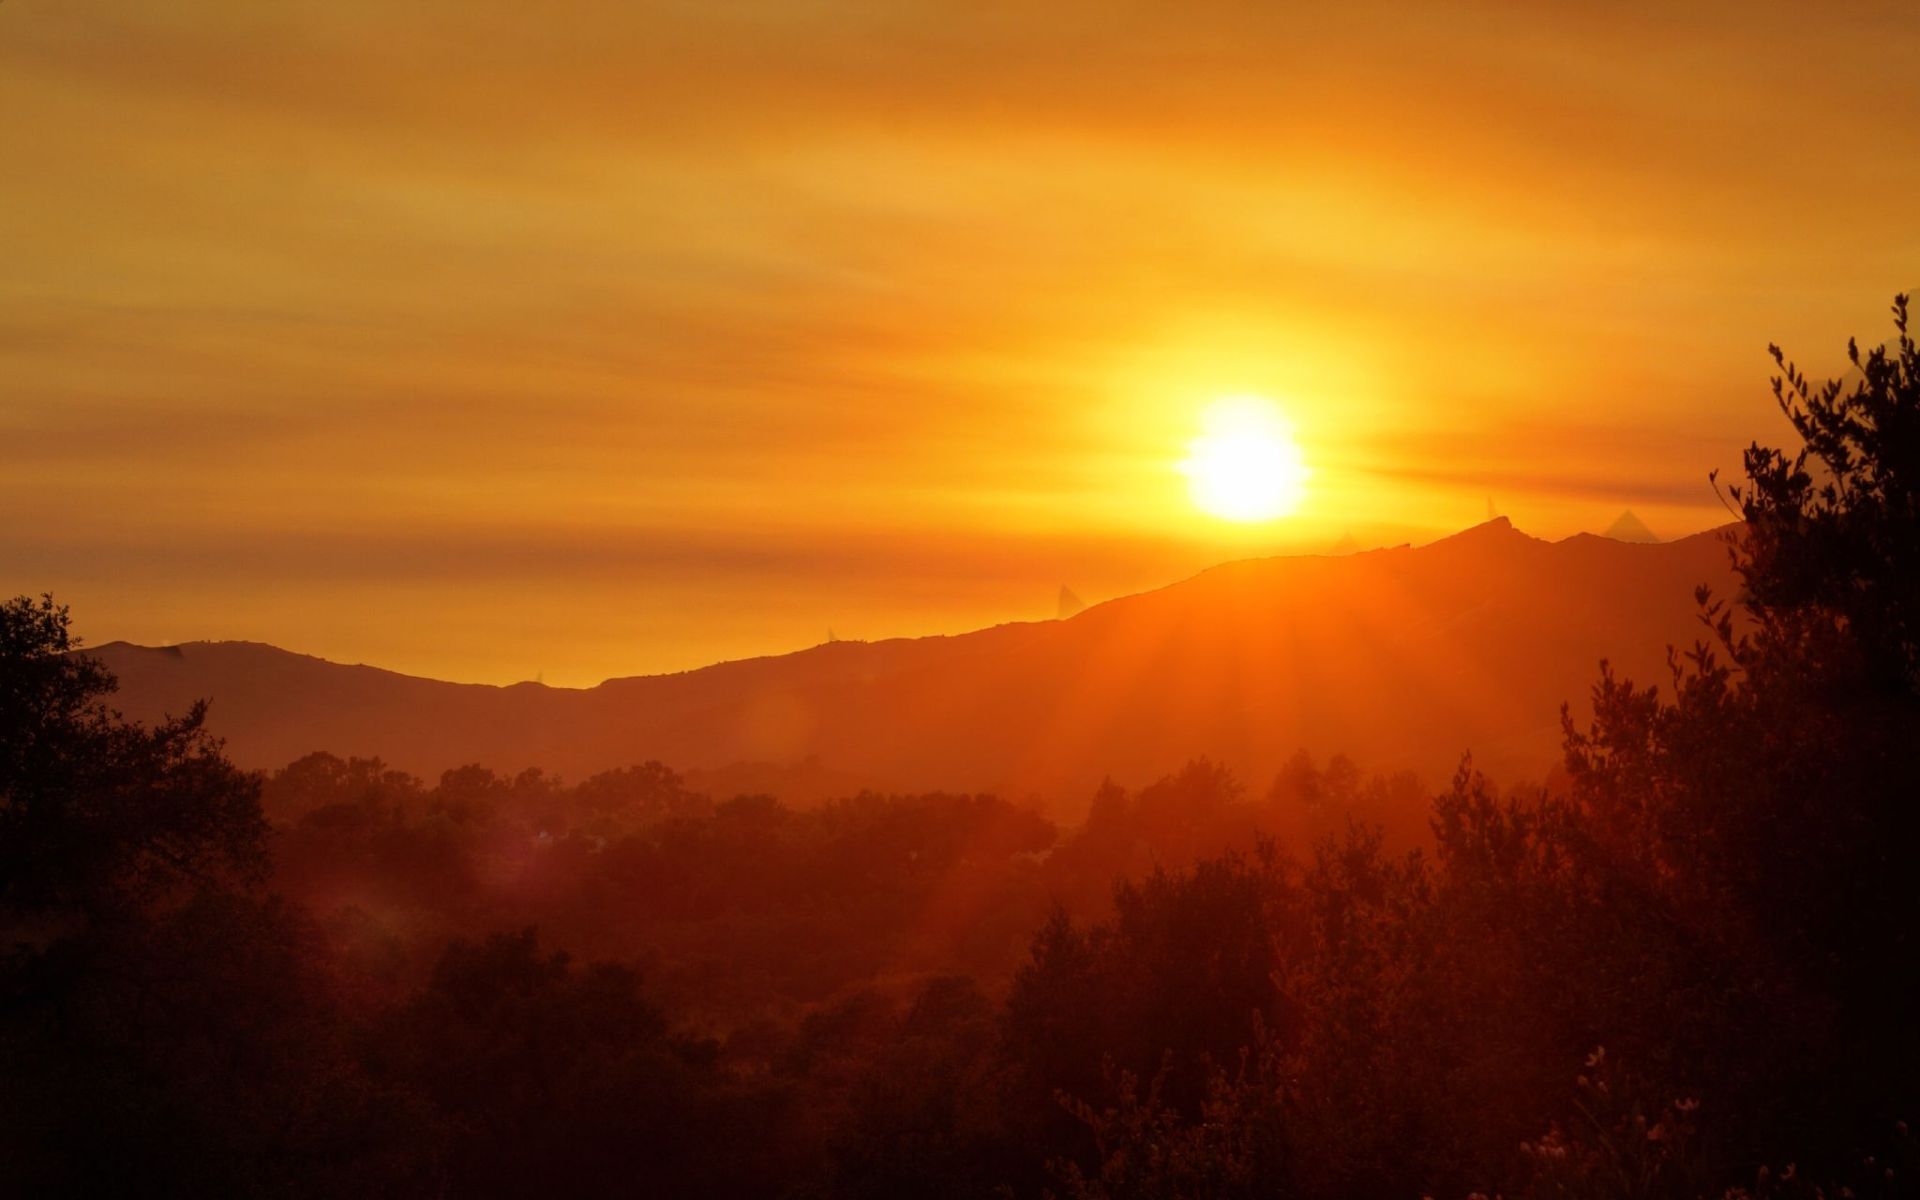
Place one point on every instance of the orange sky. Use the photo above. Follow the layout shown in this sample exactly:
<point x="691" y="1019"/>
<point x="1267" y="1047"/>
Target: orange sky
<point x="487" y="340"/>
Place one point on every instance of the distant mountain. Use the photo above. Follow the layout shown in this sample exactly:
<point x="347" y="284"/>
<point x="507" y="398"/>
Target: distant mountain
<point x="1629" y="528"/>
<point x="1401" y="658"/>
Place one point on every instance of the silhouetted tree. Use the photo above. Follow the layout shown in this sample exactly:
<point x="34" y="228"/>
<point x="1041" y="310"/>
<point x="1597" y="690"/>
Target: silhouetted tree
<point x="1833" y="529"/>
<point x="161" y="1030"/>
<point x="98" y="816"/>
<point x="928" y="1112"/>
<point x="1171" y="985"/>
<point x="1767" y="801"/>
<point x="566" y="1081"/>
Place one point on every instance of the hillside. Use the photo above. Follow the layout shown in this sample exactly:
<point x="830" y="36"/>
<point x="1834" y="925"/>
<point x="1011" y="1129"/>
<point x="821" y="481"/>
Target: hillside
<point x="1405" y="657"/>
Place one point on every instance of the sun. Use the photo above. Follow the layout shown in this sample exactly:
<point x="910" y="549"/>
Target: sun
<point x="1245" y="465"/>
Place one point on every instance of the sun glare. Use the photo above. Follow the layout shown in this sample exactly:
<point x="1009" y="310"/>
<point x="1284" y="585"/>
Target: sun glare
<point x="1245" y="465"/>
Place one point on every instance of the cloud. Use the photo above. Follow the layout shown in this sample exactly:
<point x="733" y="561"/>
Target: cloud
<point x="778" y="294"/>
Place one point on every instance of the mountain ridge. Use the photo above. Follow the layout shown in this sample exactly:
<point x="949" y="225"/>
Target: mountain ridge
<point x="1404" y="657"/>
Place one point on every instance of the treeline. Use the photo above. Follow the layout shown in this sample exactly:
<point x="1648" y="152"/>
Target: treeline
<point x="746" y="908"/>
<point x="1686" y="967"/>
<point x="336" y="979"/>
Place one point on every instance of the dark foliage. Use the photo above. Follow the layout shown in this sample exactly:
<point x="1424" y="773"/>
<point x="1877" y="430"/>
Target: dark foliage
<point x="561" y="1080"/>
<point x="98" y="816"/>
<point x="1686" y="969"/>
<point x="1834" y="527"/>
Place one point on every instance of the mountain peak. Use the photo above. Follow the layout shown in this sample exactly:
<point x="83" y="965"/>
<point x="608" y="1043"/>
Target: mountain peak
<point x="1629" y="528"/>
<point x="1487" y="533"/>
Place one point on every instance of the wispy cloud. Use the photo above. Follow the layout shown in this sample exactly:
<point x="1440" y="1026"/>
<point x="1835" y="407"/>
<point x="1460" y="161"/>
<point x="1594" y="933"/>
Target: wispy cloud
<point x="805" y="291"/>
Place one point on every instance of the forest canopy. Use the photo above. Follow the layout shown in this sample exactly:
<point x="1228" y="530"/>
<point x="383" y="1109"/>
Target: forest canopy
<point x="1682" y="966"/>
